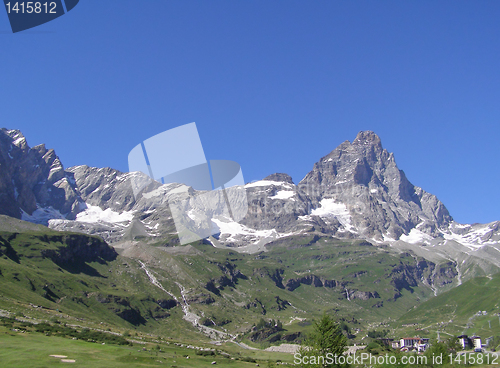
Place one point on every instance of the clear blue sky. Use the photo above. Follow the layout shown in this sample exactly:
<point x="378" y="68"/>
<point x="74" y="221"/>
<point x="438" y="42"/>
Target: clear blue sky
<point x="273" y="85"/>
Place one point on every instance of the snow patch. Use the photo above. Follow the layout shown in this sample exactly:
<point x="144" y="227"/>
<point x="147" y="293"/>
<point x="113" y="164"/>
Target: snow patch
<point x="19" y="141"/>
<point x="373" y="240"/>
<point x="96" y="214"/>
<point x="470" y="240"/>
<point x="54" y="169"/>
<point x="475" y="237"/>
<point x="266" y="183"/>
<point x="192" y="214"/>
<point x="42" y="215"/>
<point x="461" y="226"/>
<point x="233" y="228"/>
<point x="328" y="208"/>
<point x="283" y="194"/>
<point x="416" y="236"/>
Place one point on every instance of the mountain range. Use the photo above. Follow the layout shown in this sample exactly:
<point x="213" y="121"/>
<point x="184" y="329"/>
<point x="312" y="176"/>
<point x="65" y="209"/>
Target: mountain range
<point x="354" y="237"/>
<point x="356" y="191"/>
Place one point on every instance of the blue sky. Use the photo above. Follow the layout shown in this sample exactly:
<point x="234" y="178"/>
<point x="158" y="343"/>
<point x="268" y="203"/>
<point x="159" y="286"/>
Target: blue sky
<point x="273" y="85"/>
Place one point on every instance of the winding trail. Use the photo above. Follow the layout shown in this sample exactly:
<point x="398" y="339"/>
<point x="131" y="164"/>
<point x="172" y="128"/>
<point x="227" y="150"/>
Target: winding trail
<point x="189" y="316"/>
<point x="244" y="346"/>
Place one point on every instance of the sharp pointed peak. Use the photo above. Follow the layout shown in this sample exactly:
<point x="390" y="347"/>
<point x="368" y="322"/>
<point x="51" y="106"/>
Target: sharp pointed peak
<point x="367" y="137"/>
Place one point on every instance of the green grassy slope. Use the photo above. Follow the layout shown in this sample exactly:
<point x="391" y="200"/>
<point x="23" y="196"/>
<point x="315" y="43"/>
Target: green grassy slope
<point x="101" y="292"/>
<point x="34" y="350"/>
<point x="456" y="311"/>
<point x="295" y="281"/>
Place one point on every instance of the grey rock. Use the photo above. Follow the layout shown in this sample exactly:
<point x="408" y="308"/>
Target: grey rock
<point x="381" y="202"/>
<point x="32" y="178"/>
<point x="279" y="177"/>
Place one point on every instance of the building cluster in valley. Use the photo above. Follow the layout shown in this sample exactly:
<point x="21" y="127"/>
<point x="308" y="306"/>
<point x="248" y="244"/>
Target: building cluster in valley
<point x="420" y="344"/>
<point x="473" y="342"/>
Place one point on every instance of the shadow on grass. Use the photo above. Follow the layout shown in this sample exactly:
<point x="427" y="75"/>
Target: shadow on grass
<point x="80" y="268"/>
<point x="6" y="248"/>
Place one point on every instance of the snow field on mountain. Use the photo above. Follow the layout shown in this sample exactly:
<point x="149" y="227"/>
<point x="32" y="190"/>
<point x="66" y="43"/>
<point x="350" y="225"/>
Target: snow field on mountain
<point x="96" y="214"/>
<point x="329" y="208"/>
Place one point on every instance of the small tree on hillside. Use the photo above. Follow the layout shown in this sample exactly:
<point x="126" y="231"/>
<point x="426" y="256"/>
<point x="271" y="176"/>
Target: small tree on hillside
<point x="453" y="345"/>
<point x="326" y="340"/>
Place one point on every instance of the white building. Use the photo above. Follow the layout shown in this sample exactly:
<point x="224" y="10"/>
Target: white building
<point x="465" y="342"/>
<point x="417" y="343"/>
<point x="476" y="341"/>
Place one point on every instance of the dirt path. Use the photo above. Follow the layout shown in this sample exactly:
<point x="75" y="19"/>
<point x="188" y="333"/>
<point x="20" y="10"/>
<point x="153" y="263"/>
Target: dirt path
<point x="244" y="346"/>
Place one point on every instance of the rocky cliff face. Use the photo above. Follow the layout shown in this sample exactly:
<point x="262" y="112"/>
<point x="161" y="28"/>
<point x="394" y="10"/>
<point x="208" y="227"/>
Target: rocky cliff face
<point x="33" y="179"/>
<point x="377" y="198"/>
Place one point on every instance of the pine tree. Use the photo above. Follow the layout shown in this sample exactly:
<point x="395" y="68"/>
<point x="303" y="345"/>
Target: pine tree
<point x="326" y="338"/>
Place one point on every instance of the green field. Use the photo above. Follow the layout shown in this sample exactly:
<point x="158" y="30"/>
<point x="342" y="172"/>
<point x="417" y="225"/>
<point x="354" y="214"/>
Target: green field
<point x="456" y="312"/>
<point x="34" y="350"/>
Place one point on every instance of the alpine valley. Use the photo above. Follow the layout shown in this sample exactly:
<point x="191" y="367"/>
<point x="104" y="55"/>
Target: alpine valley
<point x="353" y="238"/>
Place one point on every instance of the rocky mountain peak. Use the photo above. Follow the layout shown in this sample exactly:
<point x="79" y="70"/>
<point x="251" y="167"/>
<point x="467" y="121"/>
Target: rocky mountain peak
<point x="367" y="137"/>
<point x="15" y="137"/>
<point x="378" y="198"/>
<point x="279" y="177"/>
<point x="360" y="162"/>
<point x="32" y="179"/>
